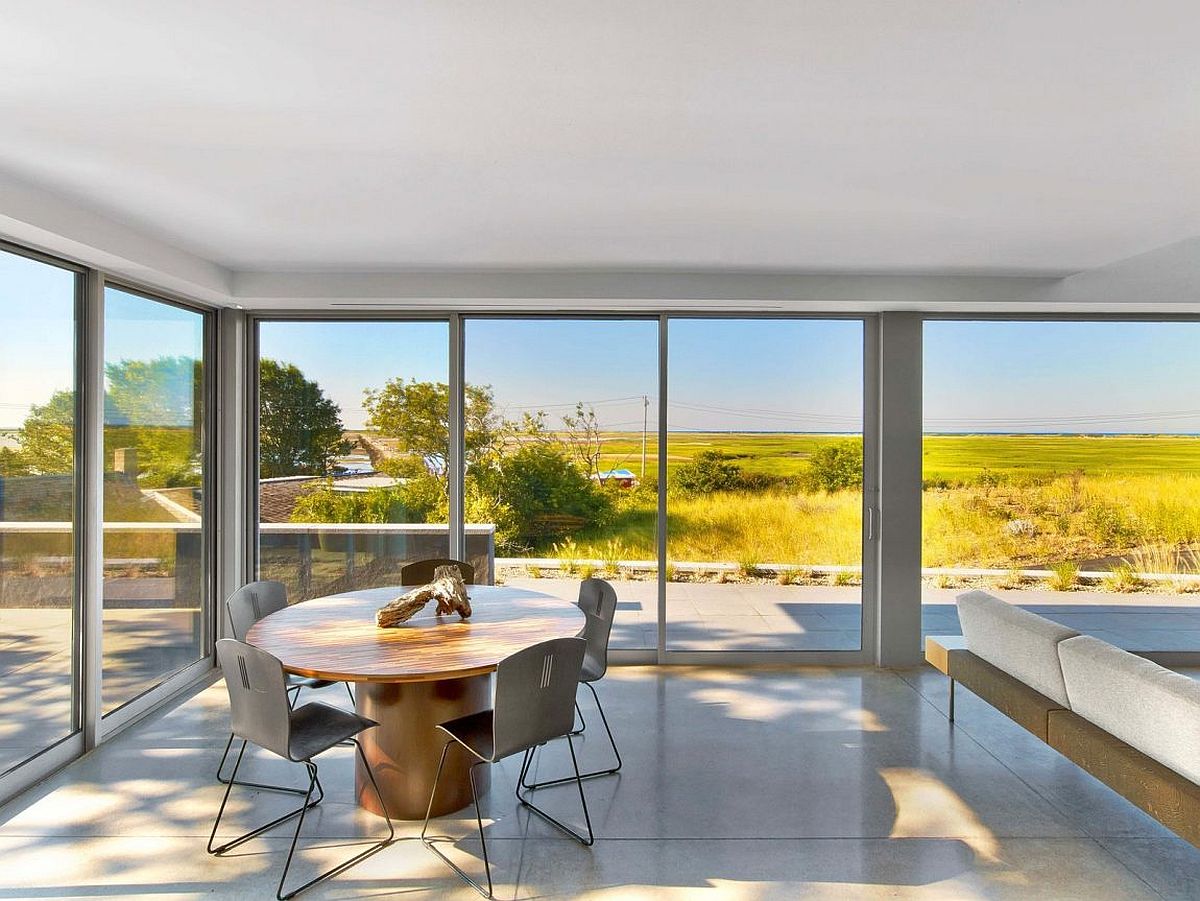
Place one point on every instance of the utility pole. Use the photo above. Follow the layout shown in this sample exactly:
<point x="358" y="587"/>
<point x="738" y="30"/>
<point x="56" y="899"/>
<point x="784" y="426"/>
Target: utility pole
<point x="645" y="423"/>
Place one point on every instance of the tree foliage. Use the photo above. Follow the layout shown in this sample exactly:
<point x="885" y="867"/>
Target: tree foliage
<point x="47" y="437"/>
<point x="538" y="482"/>
<point x="708" y="471"/>
<point x="835" y="467"/>
<point x="300" y="429"/>
<point x="416" y="415"/>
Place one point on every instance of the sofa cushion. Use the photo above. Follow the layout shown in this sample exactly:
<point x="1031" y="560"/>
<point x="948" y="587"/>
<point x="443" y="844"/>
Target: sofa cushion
<point x="1021" y="643"/>
<point x="1145" y="705"/>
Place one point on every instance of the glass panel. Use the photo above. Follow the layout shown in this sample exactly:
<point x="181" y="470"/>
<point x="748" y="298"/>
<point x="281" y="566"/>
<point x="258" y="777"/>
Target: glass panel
<point x="563" y="457"/>
<point x="154" y="461"/>
<point x="764" y="484"/>
<point x="37" y="507"/>
<point x="353" y="446"/>
<point x="1062" y="473"/>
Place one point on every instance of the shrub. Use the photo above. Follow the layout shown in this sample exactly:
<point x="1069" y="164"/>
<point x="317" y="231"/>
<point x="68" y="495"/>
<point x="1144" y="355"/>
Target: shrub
<point x="1108" y="525"/>
<point x="787" y="575"/>
<point x="546" y="493"/>
<point x="708" y="471"/>
<point x="836" y="466"/>
<point x="843" y="577"/>
<point x="1063" y="577"/>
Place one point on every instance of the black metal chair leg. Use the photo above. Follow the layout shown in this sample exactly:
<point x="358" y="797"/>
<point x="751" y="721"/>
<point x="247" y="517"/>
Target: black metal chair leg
<point x="312" y="780"/>
<point x="346" y="864"/>
<point x="582" y="722"/>
<point x="432" y="845"/>
<point x="952" y="700"/>
<point x="350" y="691"/>
<point x="578" y="779"/>
<point x="308" y="803"/>
<point x="595" y="773"/>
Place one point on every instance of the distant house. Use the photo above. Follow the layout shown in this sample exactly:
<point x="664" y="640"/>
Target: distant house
<point x="623" y="477"/>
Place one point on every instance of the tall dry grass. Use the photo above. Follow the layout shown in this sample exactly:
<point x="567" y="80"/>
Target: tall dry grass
<point x="1152" y="521"/>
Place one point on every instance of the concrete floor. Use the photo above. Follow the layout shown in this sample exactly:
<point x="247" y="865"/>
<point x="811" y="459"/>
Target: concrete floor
<point x="748" y="784"/>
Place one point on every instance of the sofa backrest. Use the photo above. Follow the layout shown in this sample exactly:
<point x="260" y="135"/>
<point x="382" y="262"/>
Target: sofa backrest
<point x="1145" y="705"/>
<point x="1021" y="643"/>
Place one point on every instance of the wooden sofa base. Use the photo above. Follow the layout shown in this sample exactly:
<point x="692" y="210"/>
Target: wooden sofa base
<point x="1157" y="789"/>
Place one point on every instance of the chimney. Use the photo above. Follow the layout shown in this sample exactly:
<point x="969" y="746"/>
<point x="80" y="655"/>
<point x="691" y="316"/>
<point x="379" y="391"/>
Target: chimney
<point x="125" y="461"/>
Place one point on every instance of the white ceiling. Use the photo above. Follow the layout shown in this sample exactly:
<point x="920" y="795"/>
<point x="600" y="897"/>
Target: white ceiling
<point x="920" y="136"/>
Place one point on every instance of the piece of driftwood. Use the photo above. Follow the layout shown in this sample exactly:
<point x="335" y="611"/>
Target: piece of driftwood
<point x="447" y="589"/>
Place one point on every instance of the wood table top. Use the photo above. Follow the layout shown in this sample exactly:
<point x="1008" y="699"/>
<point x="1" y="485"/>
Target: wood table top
<point x="336" y="637"/>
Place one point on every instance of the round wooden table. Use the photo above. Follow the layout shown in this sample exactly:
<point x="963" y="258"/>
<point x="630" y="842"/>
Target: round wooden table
<point x="409" y="679"/>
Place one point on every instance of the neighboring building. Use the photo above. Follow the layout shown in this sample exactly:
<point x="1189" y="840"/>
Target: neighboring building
<point x="623" y="477"/>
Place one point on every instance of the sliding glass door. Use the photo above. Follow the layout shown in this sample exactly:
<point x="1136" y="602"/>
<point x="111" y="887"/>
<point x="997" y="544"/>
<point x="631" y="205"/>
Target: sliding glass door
<point x="764" y="463"/>
<point x="39" y="427"/>
<point x="564" y="473"/>
<point x="562" y="456"/>
<point x="156" y="560"/>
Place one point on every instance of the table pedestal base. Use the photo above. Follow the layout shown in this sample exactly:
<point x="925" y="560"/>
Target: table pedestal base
<point x="405" y="747"/>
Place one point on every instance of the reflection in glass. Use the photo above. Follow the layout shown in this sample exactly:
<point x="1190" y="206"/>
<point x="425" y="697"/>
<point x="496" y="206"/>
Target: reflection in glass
<point x="154" y="461"/>
<point x="37" y="506"/>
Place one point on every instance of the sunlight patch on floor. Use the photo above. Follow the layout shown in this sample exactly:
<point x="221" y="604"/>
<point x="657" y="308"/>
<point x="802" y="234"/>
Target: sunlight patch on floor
<point x="927" y="807"/>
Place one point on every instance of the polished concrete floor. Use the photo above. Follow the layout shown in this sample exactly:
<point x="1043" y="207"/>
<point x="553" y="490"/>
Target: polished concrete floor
<point x="738" y="783"/>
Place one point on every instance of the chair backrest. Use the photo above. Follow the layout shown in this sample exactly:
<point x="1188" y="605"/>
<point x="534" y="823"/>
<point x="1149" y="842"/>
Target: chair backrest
<point x="598" y="601"/>
<point x="258" y="702"/>
<point x="421" y="572"/>
<point x="252" y="602"/>
<point x="535" y="695"/>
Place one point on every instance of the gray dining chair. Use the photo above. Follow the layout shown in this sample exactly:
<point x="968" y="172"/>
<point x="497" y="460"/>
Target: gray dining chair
<point x="260" y="712"/>
<point x="245" y="607"/>
<point x="420" y="572"/>
<point x="598" y="601"/>
<point x="533" y="702"/>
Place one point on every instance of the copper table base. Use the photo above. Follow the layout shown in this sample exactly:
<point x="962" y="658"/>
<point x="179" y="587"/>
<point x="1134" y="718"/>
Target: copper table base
<point x="405" y="747"/>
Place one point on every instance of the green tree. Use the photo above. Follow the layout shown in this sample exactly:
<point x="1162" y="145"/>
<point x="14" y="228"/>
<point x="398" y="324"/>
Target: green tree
<point x="47" y="437"/>
<point x="416" y="415"/>
<point x="708" y="471"/>
<point x="164" y="392"/>
<point x="835" y="466"/>
<point x="300" y="429"/>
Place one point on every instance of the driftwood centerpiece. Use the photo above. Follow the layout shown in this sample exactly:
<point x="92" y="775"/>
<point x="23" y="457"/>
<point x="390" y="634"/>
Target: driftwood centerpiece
<point x="447" y="589"/>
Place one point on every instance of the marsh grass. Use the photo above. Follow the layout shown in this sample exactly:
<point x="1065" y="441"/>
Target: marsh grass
<point x="1063" y="577"/>
<point x="1122" y="578"/>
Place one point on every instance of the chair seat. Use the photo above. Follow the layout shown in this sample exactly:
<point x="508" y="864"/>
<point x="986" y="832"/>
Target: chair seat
<point x="318" y="727"/>
<point x="295" y="681"/>
<point x="474" y="732"/>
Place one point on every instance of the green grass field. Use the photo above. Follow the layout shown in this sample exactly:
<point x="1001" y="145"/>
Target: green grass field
<point x="948" y="457"/>
<point x="1043" y="499"/>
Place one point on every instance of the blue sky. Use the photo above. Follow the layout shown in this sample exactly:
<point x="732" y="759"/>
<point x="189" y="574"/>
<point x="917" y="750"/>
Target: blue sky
<point x="797" y="375"/>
